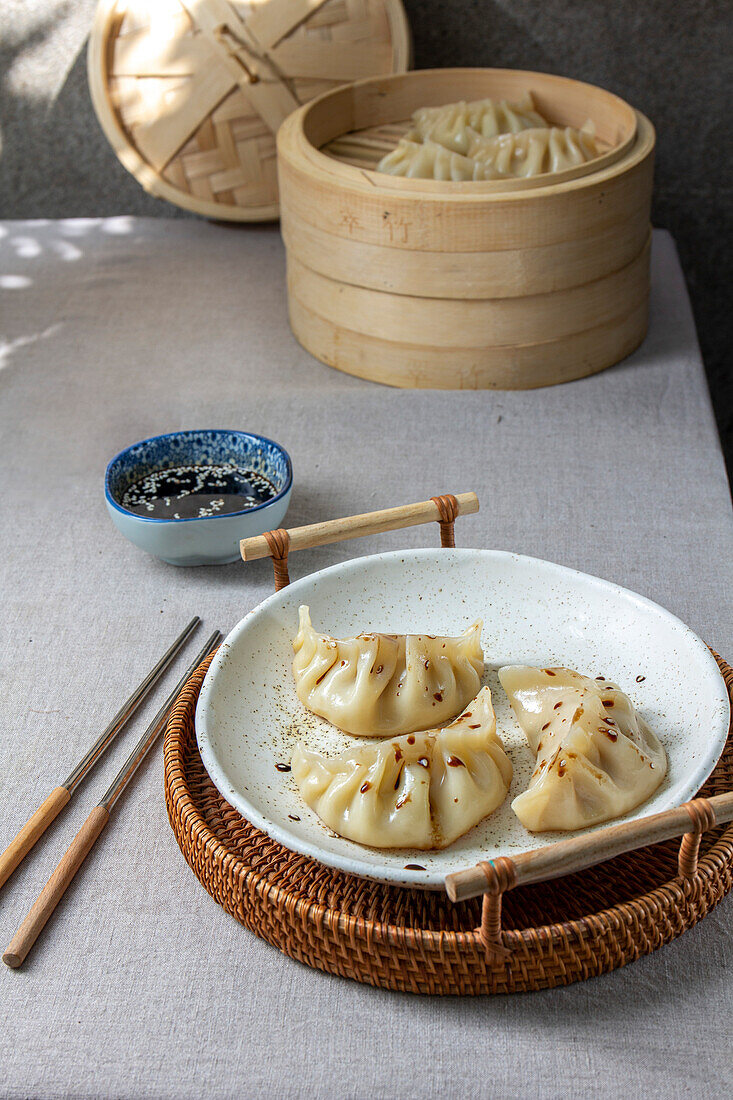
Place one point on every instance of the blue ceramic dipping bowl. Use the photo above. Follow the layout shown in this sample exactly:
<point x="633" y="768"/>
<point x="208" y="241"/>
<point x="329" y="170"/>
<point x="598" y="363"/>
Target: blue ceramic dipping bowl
<point x="210" y="540"/>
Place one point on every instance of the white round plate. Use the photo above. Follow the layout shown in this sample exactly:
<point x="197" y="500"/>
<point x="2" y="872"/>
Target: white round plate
<point x="249" y="718"/>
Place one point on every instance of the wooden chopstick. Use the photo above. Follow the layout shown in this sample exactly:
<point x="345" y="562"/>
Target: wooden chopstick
<point x="47" y="812"/>
<point x="83" y="842"/>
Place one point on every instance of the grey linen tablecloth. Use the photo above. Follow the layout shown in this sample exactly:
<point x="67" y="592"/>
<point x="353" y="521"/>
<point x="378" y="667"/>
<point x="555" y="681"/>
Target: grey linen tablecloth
<point x="141" y="985"/>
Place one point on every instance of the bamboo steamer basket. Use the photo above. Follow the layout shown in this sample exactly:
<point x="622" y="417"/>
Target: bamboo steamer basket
<point x="190" y="93"/>
<point x="496" y="284"/>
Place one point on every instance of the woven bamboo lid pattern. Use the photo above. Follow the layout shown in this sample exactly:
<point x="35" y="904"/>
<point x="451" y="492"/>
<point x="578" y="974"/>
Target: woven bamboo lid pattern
<point x="190" y="93"/>
<point x="555" y="932"/>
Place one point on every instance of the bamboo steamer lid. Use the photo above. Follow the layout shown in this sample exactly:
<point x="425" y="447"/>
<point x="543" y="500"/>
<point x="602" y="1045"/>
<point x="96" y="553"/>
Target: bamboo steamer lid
<point x="190" y="93"/>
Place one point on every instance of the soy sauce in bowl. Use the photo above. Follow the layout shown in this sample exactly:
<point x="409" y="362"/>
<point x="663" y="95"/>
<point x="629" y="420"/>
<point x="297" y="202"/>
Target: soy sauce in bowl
<point x="189" y="497"/>
<point x="197" y="492"/>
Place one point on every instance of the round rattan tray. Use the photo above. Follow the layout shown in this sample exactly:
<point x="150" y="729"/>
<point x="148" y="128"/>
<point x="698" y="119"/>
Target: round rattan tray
<point x="409" y="940"/>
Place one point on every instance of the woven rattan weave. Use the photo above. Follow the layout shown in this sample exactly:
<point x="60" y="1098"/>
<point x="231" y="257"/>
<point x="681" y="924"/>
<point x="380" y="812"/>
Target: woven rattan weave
<point x="412" y="940"/>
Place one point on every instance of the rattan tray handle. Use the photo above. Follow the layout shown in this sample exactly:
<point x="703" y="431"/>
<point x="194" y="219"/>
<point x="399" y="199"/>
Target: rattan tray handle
<point x="443" y="510"/>
<point x="566" y="857"/>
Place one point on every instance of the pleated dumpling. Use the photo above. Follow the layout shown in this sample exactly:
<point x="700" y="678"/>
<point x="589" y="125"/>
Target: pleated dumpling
<point x="531" y="152"/>
<point x="422" y="790"/>
<point x="377" y="685"/>
<point x="450" y="123"/>
<point x="428" y="161"/>
<point x="596" y="758"/>
<point x="448" y="126"/>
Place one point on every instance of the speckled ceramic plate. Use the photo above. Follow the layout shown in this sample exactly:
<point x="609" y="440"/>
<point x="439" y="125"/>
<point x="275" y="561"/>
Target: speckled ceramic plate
<point x="249" y="718"/>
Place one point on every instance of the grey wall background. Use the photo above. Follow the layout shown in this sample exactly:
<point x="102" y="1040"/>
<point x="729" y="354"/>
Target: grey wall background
<point x="670" y="59"/>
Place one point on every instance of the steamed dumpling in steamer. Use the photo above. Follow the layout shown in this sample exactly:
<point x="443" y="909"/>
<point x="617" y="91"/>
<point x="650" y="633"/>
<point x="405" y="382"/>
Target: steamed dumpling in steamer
<point x="436" y="146"/>
<point x="377" y="685"/>
<point x="427" y="161"/>
<point x="596" y="758"/>
<point x="485" y="140"/>
<point x="532" y="152"/>
<point x="448" y="124"/>
<point x="423" y="790"/>
<point x="508" y="156"/>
